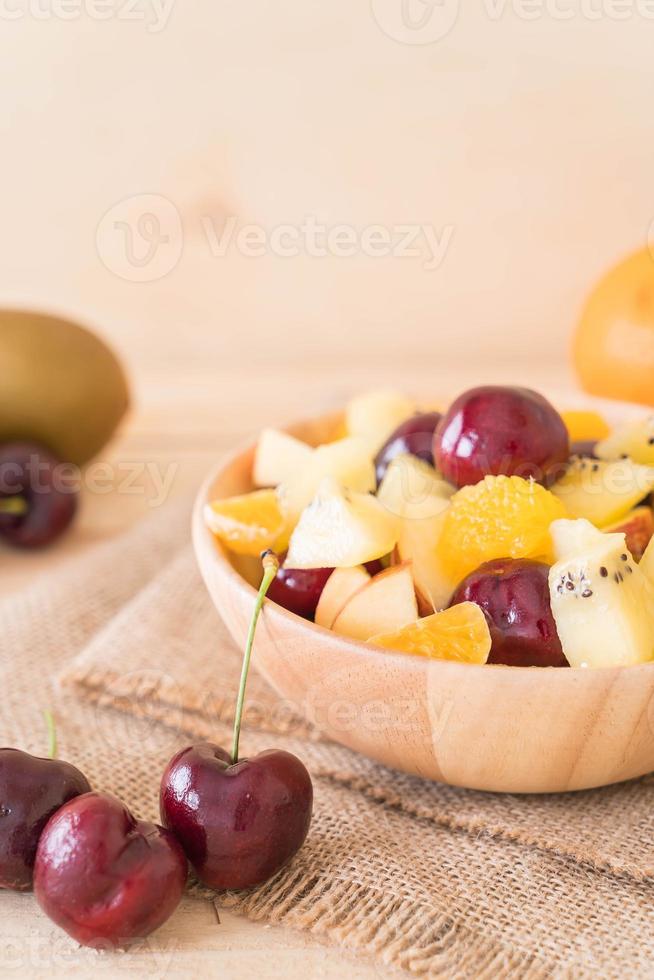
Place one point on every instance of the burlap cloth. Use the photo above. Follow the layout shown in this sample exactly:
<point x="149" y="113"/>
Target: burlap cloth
<point x="128" y="651"/>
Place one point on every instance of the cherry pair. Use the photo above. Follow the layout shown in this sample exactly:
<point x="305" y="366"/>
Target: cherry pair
<point x="107" y="878"/>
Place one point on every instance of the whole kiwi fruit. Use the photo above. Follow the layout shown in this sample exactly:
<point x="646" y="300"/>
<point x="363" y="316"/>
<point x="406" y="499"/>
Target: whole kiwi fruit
<point x="60" y="385"/>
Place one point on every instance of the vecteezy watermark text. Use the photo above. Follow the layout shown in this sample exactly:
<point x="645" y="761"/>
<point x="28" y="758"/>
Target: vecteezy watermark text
<point x="138" y="478"/>
<point x="147" y="701"/>
<point x="37" y="954"/>
<point x="154" y="14"/>
<point x="141" y="239"/>
<point x="429" y="21"/>
<point x="318" y="240"/>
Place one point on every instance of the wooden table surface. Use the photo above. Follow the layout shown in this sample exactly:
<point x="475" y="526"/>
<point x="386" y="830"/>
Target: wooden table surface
<point x="186" y="413"/>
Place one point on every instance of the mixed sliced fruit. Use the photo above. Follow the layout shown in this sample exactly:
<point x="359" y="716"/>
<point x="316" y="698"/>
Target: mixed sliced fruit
<point x="498" y="530"/>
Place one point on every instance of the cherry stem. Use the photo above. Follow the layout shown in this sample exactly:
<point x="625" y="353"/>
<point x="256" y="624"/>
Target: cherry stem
<point x="270" y="568"/>
<point x="52" y="734"/>
<point x="14" y="506"/>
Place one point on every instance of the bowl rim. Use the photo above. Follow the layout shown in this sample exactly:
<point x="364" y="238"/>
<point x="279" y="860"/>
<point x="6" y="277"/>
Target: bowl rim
<point x="202" y="535"/>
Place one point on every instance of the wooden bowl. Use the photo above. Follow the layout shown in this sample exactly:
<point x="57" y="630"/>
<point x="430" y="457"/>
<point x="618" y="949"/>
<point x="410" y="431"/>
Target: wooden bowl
<point x="506" y="729"/>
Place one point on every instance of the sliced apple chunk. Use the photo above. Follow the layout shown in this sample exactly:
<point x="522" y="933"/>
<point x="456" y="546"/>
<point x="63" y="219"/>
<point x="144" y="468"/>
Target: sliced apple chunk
<point x="638" y="527"/>
<point x="341" y="528"/>
<point x="418" y="543"/>
<point x="349" y="461"/>
<point x="376" y="414"/>
<point x="386" y="603"/>
<point x="278" y="456"/>
<point x="413" y="490"/>
<point x="460" y="633"/>
<point x="339" y="588"/>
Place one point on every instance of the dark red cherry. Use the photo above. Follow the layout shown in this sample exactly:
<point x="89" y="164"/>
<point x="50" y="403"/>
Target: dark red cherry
<point x="299" y="589"/>
<point x="238" y="824"/>
<point x="497" y="430"/>
<point x="515" y="597"/>
<point x="105" y="877"/>
<point x="31" y="791"/>
<point x="45" y="489"/>
<point x="238" y="820"/>
<point x="414" y="437"/>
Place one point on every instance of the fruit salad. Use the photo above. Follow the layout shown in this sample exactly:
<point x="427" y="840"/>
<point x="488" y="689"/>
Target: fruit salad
<point x="499" y="530"/>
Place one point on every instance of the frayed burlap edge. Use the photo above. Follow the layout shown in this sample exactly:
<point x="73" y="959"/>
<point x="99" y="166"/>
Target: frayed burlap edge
<point x="158" y="697"/>
<point x="398" y="933"/>
<point x="198" y="726"/>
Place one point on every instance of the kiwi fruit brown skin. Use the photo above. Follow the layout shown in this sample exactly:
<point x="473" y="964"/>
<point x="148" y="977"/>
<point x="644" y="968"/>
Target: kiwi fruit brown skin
<point x="60" y="385"/>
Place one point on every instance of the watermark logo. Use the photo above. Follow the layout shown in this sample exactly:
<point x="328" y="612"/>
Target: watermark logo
<point x="416" y="21"/>
<point x="429" y="21"/>
<point x="140" y="239"/>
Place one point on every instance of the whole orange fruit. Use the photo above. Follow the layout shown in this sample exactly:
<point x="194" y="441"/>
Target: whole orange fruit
<point x="614" y="343"/>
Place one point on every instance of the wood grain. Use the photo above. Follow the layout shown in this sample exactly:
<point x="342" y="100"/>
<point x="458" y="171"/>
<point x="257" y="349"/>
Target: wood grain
<point x="199" y="940"/>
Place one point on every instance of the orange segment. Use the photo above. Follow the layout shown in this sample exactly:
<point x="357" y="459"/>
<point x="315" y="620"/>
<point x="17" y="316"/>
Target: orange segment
<point x="585" y="426"/>
<point x="500" y="517"/>
<point x="460" y="633"/>
<point x="250" y="523"/>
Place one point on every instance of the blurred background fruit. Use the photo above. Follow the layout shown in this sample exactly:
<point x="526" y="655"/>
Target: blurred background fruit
<point x="61" y="386"/>
<point x="45" y="491"/>
<point x="614" y="343"/>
